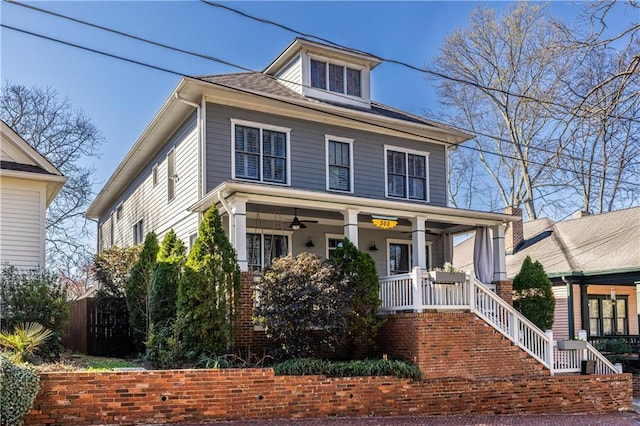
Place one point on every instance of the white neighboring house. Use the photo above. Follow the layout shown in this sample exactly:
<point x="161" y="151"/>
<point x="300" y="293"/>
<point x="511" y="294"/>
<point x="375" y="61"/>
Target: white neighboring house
<point x="28" y="185"/>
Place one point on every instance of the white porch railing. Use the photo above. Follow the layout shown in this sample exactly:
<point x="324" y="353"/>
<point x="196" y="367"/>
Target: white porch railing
<point x="417" y="292"/>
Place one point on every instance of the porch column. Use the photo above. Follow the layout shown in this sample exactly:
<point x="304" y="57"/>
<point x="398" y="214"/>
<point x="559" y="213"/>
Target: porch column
<point x="351" y="225"/>
<point x="499" y="255"/>
<point x="238" y="230"/>
<point x="419" y="242"/>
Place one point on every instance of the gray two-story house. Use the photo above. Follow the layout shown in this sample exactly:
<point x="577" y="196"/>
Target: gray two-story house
<point x="296" y="158"/>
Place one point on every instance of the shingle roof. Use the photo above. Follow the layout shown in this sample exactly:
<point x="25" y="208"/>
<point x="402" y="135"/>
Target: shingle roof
<point x="602" y="242"/>
<point x="267" y="85"/>
<point x="19" y="167"/>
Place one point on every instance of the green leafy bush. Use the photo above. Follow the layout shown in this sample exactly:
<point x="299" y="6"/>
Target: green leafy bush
<point x="369" y="367"/>
<point x="19" y="386"/>
<point x="138" y="289"/>
<point x="208" y="292"/>
<point x="35" y="296"/>
<point x="112" y="268"/>
<point x="533" y="296"/>
<point x="302" y="304"/>
<point x="358" y="270"/>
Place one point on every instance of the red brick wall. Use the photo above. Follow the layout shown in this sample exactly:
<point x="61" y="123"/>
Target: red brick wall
<point x="208" y="395"/>
<point x="456" y="344"/>
<point x="504" y="289"/>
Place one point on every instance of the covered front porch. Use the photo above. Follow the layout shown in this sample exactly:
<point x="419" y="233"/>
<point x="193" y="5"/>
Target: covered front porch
<point x="265" y="222"/>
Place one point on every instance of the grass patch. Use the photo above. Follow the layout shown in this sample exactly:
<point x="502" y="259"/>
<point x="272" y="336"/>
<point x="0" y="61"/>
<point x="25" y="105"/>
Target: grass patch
<point x="110" y="364"/>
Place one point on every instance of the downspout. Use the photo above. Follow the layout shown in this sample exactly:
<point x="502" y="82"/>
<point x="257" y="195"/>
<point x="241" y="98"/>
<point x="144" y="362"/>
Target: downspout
<point x="199" y="126"/>
<point x="570" y="318"/>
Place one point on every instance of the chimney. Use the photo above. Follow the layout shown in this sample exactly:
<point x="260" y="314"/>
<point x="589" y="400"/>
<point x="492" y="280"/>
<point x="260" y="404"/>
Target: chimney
<point x="581" y="213"/>
<point x="514" y="235"/>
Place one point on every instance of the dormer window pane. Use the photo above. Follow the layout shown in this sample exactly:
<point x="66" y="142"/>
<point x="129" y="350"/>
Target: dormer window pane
<point x="353" y="82"/>
<point x="318" y="74"/>
<point x="336" y="78"/>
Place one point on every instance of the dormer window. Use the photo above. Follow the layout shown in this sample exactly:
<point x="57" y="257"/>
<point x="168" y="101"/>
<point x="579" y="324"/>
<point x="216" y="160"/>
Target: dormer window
<point x="336" y="77"/>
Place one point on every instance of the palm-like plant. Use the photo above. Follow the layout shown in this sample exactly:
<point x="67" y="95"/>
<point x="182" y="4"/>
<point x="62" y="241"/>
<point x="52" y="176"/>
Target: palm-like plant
<point x="25" y="339"/>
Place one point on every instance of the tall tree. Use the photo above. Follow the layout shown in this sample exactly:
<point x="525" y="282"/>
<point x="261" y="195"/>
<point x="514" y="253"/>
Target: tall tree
<point x="533" y="295"/>
<point x="166" y="276"/>
<point x="496" y="70"/>
<point x="209" y="291"/>
<point x="66" y="137"/>
<point x="138" y="291"/>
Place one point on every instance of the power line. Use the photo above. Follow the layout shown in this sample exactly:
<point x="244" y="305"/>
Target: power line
<point x="287" y="102"/>
<point x="555" y="153"/>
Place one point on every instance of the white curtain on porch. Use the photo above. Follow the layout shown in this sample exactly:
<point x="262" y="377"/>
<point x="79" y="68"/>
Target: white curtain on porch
<point x="483" y="255"/>
<point x="447" y="247"/>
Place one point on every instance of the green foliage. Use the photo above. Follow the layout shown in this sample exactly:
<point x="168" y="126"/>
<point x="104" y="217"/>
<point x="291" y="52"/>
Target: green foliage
<point x="162" y="344"/>
<point x="368" y="367"/>
<point x="616" y="350"/>
<point x="302" y="303"/>
<point x="35" y="297"/>
<point x="138" y="289"/>
<point x="110" y="364"/>
<point x="209" y="291"/>
<point x="25" y="339"/>
<point x="358" y="269"/>
<point x="112" y="268"/>
<point x="19" y="386"/>
<point x="166" y="276"/>
<point x="533" y="296"/>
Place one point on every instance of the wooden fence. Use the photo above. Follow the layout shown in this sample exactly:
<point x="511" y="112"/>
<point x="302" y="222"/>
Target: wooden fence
<point x="99" y="327"/>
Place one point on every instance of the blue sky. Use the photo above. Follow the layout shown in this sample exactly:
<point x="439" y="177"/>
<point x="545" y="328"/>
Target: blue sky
<point x="121" y="98"/>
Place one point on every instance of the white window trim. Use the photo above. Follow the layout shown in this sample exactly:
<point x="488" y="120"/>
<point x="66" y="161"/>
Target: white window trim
<point x="330" y="138"/>
<point x="172" y="179"/>
<point x="397" y="241"/>
<point x="427" y="182"/>
<point x="119" y="212"/>
<point x="154" y="175"/>
<point x="236" y="122"/>
<point x="363" y="70"/>
<point x="327" y="237"/>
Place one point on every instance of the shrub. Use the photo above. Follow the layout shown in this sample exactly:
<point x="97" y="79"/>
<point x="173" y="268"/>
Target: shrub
<point x="35" y="296"/>
<point x="25" y="339"/>
<point x="162" y="344"/>
<point x="369" y="367"/>
<point x="302" y="302"/>
<point x="358" y="270"/>
<point x="112" y="268"/>
<point x="137" y="291"/>
<point x="533" y="296"/>
<point x="208" y="292"/>
<point x="19" y="386"/>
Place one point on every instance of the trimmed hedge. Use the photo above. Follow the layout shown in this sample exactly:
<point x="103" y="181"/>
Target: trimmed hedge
<point x="369" y="367"/>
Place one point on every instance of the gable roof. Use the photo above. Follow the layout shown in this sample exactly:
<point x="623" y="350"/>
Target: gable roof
<point x="590" y="245"/>
<point x="20" y="160"/>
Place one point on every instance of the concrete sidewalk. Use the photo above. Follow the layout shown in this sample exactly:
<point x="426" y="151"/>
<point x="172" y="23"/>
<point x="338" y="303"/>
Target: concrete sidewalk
<point x="622" y="419"/>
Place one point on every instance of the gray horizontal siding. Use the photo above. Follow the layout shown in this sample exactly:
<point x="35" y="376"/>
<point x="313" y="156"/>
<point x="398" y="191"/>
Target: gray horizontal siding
<point x="308" y="164"/>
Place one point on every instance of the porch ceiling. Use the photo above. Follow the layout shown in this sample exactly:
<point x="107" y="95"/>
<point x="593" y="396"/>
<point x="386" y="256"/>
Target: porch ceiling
<point x="278" y="200"/>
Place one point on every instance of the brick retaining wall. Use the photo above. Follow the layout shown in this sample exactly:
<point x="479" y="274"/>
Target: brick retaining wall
<point x="200" y="395"/>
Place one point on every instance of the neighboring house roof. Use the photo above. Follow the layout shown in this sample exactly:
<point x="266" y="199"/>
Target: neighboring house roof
<point x="590" y="245"/>
<point x="20" y="160"/>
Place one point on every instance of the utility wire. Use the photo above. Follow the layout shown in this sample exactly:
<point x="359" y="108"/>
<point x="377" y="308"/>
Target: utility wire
<point x="555" y="153"/>
<point x="309" y="107"/>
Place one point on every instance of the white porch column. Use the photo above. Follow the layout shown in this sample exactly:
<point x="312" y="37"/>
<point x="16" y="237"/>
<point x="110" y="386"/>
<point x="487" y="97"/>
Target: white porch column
<point x="351" y="225"/>
<point x="499" y="254"/>
<point x="419" y="242"/>
<point x="238" y="230"/>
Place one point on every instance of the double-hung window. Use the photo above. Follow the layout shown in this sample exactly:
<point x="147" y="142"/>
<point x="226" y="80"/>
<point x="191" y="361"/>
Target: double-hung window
<point x="336" y="77"/>
<point x="138" y="232"/>
<point x="339" y="164"/>
<point x="261" y="153"/>
<point x="263" y="248"/>
<point x="407" y="174"/>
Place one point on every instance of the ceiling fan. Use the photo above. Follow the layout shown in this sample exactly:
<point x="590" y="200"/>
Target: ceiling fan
<point x="297" y="223"/>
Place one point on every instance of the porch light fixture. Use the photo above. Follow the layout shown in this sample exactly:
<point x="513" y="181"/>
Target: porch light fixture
<point x="296" y="224"/>
<point x="310" y="243"/>
<point x="373" y="247"/>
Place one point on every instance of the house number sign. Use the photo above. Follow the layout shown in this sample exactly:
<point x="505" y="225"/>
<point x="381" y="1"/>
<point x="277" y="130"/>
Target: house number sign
<point x="384" y="222"/>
